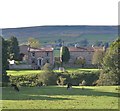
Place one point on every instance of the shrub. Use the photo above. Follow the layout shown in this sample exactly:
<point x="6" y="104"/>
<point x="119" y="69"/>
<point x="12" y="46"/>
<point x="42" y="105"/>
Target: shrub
<point x="24" y="80"/>
<point x="57" y="64"/>
<point x="47" y="78"/>
<point x="83" y="83"/>
<point x="61" y="80"/>
<point x="80" y="61"/>
<point x="107" y="78"/>
<point x="77" y="77"/>
<point x="47" y="66"/>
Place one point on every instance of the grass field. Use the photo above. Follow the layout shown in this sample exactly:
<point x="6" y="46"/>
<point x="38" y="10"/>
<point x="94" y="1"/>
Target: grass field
<point x="80" y="69"/>
<point x="23" y="72"/>
<point x="26" y="72"/>
<point x="56" y="97"/>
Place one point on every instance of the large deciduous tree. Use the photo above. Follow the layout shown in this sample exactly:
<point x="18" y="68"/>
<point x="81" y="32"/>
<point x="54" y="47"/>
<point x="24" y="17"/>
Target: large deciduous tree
<point x="80" y="61"/>
<point x="98" y="57"/>
<point x="110" y="74"/>
<point x="34" y="42"/>
<point x="64" y="54"/>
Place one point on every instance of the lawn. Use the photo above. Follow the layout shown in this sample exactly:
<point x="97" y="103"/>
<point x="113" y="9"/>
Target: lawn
<point x="23" y="72"/>
<point x="73" y="70"/>
<point x="56" y="97"/>
<point x="26" y="72"/>
<point x="80" y="69"/>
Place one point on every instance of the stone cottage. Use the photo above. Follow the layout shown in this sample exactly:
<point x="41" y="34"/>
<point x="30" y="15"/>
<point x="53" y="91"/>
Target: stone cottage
<point x="86" y="53"/>
<point x="37" y="57"/>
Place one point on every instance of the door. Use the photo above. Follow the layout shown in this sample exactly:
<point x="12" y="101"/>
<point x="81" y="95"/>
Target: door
<point x="39" y="62"/>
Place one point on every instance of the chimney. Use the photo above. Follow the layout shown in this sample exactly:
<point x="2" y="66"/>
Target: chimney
<point x="77" y="45"/>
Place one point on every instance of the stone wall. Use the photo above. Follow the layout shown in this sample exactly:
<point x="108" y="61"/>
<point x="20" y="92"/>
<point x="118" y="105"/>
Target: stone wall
<point x="42" y="55"/>
<point x="21" y="66"/>
<point x="85" y="54"/>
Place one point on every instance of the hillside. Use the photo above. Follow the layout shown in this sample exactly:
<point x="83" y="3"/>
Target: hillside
<point x="70" y="34"/>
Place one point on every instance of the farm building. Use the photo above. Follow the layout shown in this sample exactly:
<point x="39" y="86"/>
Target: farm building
<point x="81" y="52"/>
<point x="36" y="57"/>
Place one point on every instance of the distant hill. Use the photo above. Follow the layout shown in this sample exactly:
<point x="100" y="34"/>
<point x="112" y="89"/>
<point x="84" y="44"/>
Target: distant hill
<point x="70" y="34"/>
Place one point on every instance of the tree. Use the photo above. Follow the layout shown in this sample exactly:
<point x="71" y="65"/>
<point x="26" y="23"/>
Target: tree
<point x="80" y="61"/>
<point x="110" y="74"/>
<point x="64" y="54"/>
<point x="47" y="67"/>
<point x="98" y="57"/>
<point x="34" y="42"/>
<point x="13" y="48"/>
<point x="47" y="77"/>
<point x="61" y="80"/>
<point x="4" y="56"/>
<point x="5" y="78"/>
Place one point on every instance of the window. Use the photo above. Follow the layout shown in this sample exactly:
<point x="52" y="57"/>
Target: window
<point x="33" y="54"/>
<point x="47" y="60"/>
<point x="33" y="61"/>
<point x="47" y="53"/>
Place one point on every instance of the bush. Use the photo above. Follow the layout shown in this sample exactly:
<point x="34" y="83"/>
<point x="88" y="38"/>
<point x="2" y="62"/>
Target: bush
<point x="24" y="80"/>
<point x="83" y="83"/>
<point x="77" y="77"/>
<point x="47" y="78"/>
<point x="51" y="78"/>
<point x="80" y="61"/>
<point x="61" y="80"/>
<point x="57" y="64"/>
<point x="47" y="66"/>
<point x="107" y="78"/>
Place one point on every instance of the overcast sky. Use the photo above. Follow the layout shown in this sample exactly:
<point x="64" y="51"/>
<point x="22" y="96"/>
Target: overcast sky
<point x="24" y="13"/>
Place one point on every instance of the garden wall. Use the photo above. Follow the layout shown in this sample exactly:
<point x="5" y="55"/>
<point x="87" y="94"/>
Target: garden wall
<point x="20" y="66"/>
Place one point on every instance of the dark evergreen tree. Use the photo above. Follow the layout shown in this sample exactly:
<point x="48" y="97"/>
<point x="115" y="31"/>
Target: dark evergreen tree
<point x="5" y="78"/>
<point x="64" y="54"/>
<point x="13" y="49"/>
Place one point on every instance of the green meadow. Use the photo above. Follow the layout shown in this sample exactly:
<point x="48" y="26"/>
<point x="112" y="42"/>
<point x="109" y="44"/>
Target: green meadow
<point x="23" y="72"/>
<point x="28" y="72"/>
<point x="58" y="97"/>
